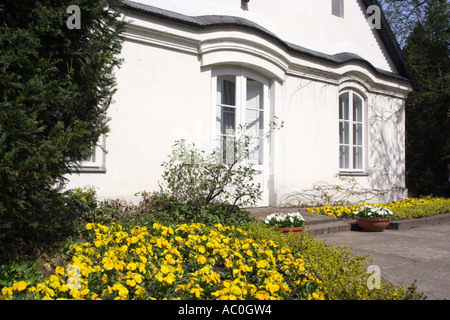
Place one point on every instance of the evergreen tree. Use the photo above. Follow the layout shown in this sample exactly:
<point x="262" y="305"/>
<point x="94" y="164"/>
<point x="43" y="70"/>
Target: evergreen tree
<point x="56" y="84"/>
<point x="427" y="110"/>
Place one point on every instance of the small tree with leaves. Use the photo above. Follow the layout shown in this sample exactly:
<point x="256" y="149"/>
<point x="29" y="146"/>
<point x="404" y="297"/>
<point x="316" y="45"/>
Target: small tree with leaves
<point x="226" y="175"/>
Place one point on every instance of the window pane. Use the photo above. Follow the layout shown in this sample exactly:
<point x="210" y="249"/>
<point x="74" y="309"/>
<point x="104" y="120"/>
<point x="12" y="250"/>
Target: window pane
<point x="225" y="120"/>
<point x="255" y="119"/>
<point x="254" y="94"/>
<point x="337" y="8"/>
<point x="255" y="123"/>
<point x="225" y="149"/>
<point x="228" y="120"/>
<point x="357" y="134"/>
<point x="357" y="158"/>
<point x="343" y="106"/>
<point x="226" y="90"/>
<point x="357" y="108"/>
<point x="343" y="132"/>
<point x="344" y="157"/>
<point x="256" y="151"/>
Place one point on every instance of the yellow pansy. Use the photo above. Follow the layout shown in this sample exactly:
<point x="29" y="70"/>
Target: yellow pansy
<point x="262" y="295"/>
<point x="131" y="266"/>
<point x="140" y="292"/>
<point x="261" y="264"/>
<point x="201" y="260"/>
<point x="108" y="264"/>
<point x="131" y="282"/>
<point x="19" y="286"/>
<point x="7" y="291"/>
<point x="59" y="271"/>
<point x="196" y="291"/>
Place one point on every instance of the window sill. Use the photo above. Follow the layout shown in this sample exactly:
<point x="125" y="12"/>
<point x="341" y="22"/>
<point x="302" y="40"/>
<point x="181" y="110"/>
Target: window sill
<point x="88" y="170"/>
<point x="354" y="174"/>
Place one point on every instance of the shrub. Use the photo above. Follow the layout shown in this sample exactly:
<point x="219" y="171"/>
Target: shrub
<point x="224" y="175"/>
<point x="56" y="85"/>
<point x="193" y="176"/>
<point x="53" y="224"/>
<point x="19" y="270"/>
<point x="81" y="201"/>
<point x="188" y="262"/>
<point x="160" y="206"/>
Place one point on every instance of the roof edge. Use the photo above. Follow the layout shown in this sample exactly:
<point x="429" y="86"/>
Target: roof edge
<point x="391" y="44"/>
<point x="207" y="21"/>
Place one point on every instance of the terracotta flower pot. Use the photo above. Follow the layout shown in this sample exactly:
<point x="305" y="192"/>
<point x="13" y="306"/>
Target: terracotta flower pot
<point x="373" y="225"/>
<point x="295" y="230"/>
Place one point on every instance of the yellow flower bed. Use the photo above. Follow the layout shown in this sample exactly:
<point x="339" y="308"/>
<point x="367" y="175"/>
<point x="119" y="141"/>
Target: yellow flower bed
<point x="188" y="262"/>
<point x="408" y="208"/>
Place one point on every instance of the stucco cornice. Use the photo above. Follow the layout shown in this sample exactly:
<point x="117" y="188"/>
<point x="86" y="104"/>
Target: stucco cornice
<point x="211" y="22"/>
<point x="228" y="44"/>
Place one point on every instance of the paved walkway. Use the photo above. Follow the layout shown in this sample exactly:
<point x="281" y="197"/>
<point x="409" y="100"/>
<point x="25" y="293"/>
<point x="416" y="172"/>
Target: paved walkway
<point x="414" y="251"/>
<point x="421" y="254"/>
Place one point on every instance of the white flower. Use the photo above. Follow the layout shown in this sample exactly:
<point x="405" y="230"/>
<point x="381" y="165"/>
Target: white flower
<point x="282" y="218"/>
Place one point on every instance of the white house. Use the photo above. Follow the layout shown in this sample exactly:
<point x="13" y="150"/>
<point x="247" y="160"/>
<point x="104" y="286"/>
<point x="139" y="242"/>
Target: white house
<point x="193" y="69"/>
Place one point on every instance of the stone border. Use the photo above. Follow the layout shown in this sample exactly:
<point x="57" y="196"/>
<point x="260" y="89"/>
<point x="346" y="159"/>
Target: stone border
<point x="396" y="225"/>
<point x="317" y="224"/>
<point x="329" y="227"/>
<point x="419" y="222"/>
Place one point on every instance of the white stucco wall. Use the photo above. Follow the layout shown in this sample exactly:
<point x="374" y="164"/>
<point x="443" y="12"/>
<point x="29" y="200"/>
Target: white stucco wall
<point x="308" y="23"/>
<point x="307" y="166"/>
<point x="160" y="98"/>
<point x="164" y="93"/>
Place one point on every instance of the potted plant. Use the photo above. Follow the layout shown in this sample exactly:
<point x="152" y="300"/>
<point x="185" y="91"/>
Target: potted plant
<point x="286" y="222"/>
<point x="373" y="218"/>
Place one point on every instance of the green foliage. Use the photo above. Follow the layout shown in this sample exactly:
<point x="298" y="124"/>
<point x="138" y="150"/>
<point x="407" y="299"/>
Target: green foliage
<point x="427" y="110"/>
<point x="418" y="208"/>
<point x="225" y="175"/>
<point x="343" y="275"/>
<point x="56" y="85"/>
<point x="81" y="201"/>
<point x="167" y="209"/>
<point x="19" y="271"/>
<point x="409" y="208"/>
<point x="193" y="176"/>
<point x="423" y="31"/>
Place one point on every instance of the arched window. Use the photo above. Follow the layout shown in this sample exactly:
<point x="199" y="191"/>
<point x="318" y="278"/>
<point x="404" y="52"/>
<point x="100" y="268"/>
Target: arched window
<point x="241" y="99"/>
<point x="351" y="132"/>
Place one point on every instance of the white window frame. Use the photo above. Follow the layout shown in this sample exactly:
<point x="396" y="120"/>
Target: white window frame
<point x="96" y="162"/>
<point x="351" y="122"/>
<point x="337" y="8"/>
<point x="241" y="107"/>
